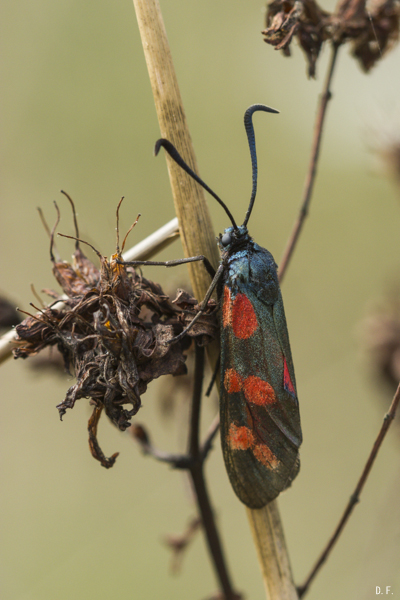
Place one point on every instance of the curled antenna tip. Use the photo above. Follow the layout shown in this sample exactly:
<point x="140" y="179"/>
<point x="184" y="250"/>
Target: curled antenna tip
<point x="255" y="107"/>
<point x="158" y="145"/>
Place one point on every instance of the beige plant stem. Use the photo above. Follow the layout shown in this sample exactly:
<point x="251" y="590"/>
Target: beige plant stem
<point x="269" y="539"/>
<point x="198" y="238"/>
<point x="191" y="209"/>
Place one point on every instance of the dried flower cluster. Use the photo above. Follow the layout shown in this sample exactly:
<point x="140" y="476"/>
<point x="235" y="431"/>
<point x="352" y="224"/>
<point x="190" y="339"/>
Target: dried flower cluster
<point x="113" y="329"/>
<point x="371" y="32"/>
<point x="381" y="340"/>
<point x="386" y="146"/>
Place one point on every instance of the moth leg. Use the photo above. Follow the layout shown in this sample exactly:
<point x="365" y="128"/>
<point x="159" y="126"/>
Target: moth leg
<point x="203" y="304"/>
<point x="214" y="376"/>
<point x="173" y="263"/>
<point x="215" y="275"/>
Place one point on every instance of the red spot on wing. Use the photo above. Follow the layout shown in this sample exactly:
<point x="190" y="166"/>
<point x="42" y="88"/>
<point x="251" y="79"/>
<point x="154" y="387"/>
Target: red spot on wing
<point x="240" y="438"/>
<point x="232" y="381"/>
<point x="287" y="382"/>
<point x="244" y="320"/>
<point x="264" y="455"/>
<point x="226" y="307"/>
<point x="258" y="391"/>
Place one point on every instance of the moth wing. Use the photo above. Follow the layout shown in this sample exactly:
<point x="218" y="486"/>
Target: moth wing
<point x="260" y="444"/>
<point x="264" y="290"/>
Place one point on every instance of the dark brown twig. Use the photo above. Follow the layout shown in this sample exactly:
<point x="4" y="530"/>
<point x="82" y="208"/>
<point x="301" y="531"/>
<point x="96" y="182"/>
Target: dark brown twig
<point x="194" y="461"/>
<point x="179" y="543"/>
<point x="177" y="461"/>
<point x="200" y="487"/>
<point x="355" y="497"/>
<point x="312" y="169"/>
<point x="212" y="432"/>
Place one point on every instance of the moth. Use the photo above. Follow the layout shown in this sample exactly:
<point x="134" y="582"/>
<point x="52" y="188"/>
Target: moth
<point x="259" y="409"/>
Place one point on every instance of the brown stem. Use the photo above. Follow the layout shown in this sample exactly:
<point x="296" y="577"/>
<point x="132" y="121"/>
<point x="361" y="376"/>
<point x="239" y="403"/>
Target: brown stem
<point x="212" y="432"/>
<point x="355" y="497"/>
<point x="199" y="484"/>
<point x="312" y="169"/>
<point x="193" y="462"/>
<point x="195" y="224"/>
<point x="194" y="449"/>
<point x="211" y="531"/>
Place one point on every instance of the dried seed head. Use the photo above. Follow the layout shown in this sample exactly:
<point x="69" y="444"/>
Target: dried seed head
<point x="293" y="18"/>
<point x="380" y="334"/>
<point x="371" y="31"/>
<point x="113" y="347"/>
<point x="384" y="142"/>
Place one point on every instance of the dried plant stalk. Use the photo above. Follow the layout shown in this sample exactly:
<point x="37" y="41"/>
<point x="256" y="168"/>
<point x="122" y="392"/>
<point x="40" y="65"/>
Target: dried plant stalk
<point x="191" y="209"/>
<point x="198" y="238"/>
<point x="266" y="527"/>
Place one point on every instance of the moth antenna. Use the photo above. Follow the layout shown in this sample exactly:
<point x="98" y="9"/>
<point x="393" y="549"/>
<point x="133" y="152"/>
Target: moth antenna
<point x="71" y="237"/>
<point x="174" y="154"/>
<point x="248" y="124"/>
<point x="53" y="232"/>
<point x="119" y="204"/>
<point x="75" y="219"/>
<point x="129" y="230"/>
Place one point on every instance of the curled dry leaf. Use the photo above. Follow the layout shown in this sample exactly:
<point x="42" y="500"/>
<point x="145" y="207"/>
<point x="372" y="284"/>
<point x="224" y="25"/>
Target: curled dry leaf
<point x="113" y="331"/>
<point x="371" y="31"/>
<point x="380" y="336"/>
<point x="304" y="20"/>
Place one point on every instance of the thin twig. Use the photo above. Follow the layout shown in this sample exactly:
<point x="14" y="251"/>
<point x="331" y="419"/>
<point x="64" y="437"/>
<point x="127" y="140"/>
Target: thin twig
<point x="199" y="484"/>
<point x="355" y="497"/>
<point x="194" y="461"/>
<point x="212" y="432"/>
<point x="177" y="461"/>
<point x="312" y="169"/>
<point x="197" y="238"/>
<point x="195" y="406"/>
<point x="179" y="543"/>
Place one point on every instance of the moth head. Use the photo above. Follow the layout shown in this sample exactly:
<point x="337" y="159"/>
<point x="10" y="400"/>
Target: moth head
<point x="232" y="236"/>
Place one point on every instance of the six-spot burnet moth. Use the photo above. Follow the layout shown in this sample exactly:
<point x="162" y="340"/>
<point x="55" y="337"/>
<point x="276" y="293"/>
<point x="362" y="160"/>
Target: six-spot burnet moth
<point x="260" y="420"/>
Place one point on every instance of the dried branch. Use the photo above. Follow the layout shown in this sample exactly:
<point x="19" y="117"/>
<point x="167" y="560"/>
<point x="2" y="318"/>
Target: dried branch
<point x="312" y="169"/>
<point x="194" y="461"/>
<point x="179" y="543"/>
<point x="355" y="497"/>
<point x="195" y="224"/>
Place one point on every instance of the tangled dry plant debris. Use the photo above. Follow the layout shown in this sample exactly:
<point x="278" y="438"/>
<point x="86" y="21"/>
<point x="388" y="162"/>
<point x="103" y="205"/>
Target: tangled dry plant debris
<point x="371" y="30"/>
<point x="113" y="331"/>
<point x="380" y="338"/>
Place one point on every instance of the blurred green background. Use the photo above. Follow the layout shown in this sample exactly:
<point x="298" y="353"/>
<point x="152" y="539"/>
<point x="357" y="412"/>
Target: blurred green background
<point x="77" y="114"/>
